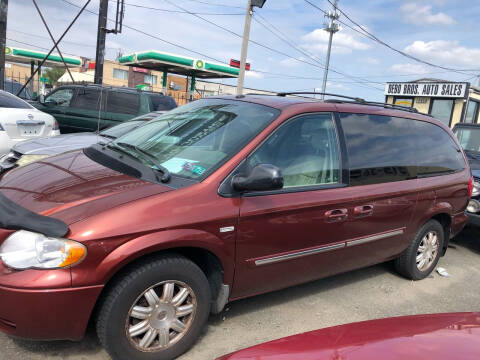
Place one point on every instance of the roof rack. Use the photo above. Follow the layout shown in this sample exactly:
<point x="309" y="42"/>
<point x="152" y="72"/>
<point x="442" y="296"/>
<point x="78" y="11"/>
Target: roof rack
<point x="354" y="100"/>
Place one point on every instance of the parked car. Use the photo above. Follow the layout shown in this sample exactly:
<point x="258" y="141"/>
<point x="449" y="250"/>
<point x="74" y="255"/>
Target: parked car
<point x="13" y="87"/>
<point x="37" y="149"/>
<point x="20" y="121"/>
<point x="469" y="138"/>
<point x="80" y="108"/>
<point x="217" y="200"/>
<point x="419" y="337"/>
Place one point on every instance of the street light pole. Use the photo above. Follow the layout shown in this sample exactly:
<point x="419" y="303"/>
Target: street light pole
<point x="332" y="28"/>
<point x="246" y="38"/>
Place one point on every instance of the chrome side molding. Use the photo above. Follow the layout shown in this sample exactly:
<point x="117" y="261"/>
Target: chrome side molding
<point x="321" y="249"/>
<point x="299" y="254"/>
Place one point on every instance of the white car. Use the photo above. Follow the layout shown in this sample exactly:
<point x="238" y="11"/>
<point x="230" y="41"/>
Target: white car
<point x="20" y="121"/>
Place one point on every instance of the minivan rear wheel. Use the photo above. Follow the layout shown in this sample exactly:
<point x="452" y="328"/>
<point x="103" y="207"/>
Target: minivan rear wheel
<point x="422" y="255"/>
<point x="156" y="311"/>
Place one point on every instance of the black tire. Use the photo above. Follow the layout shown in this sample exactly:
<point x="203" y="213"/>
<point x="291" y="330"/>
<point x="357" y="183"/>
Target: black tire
<point x="406" y="264"/>
<point x="114" y="311"/>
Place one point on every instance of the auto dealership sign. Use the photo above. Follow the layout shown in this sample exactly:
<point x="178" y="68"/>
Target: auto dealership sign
<point x="448" y="89"/>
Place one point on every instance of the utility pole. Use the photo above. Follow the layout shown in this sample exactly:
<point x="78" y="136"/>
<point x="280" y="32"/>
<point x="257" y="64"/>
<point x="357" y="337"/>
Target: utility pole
<point x="3" y="40"/>
<point x="101" y="35"/>
<point x="332" y="27"/>
<point x="246" y="39"/>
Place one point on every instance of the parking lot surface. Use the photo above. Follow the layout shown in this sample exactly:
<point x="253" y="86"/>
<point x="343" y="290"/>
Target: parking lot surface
<point x="374" y="292"/>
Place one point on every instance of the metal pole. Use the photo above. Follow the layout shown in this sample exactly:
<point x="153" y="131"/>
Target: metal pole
<point x="3" y="40"/>
<point x="101" y="36"/>
<point x="55" y="45"/>
<point x="243" y="58"/>
<point x="331" y="28"/>
<point x="53" y="39"/>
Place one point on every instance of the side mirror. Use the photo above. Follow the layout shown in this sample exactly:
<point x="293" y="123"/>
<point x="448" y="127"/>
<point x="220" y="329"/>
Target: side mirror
<point x="263" y="177"/>
<point x="41" y="99"/>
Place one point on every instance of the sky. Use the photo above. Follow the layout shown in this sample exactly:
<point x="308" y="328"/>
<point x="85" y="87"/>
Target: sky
<point x="288" y="44"/>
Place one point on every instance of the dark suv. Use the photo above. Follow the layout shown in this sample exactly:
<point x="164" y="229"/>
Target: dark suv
<point x="469" y="137"/>
<point x="80" y="108"/>
<point x="218" y="200"/>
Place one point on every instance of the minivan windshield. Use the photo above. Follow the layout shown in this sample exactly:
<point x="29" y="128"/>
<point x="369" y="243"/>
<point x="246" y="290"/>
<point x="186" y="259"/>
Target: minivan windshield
<point x="193" y="140"/>
<point x="469" y="137"/>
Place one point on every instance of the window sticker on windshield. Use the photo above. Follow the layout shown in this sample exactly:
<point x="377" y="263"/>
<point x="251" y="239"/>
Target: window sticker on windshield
<point x="196" y="169"/>
<point x="176" y="165"/>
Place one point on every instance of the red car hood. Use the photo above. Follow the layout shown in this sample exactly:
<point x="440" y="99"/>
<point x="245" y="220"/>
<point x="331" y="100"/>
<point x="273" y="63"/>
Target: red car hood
<point x="437" y="336"/>
<point x="71" y="187"/>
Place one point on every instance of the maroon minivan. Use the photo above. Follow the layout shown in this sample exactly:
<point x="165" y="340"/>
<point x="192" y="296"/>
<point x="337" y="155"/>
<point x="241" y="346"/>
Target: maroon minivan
<point x="215" y="201"/>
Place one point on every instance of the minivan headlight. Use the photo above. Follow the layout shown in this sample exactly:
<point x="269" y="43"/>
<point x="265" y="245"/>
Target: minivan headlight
<point x="26" y="250"/>
<point x="476" y="188"/>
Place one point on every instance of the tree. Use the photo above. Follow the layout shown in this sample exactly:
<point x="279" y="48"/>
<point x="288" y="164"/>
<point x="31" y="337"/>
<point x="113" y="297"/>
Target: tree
<point x="53" y="74"/>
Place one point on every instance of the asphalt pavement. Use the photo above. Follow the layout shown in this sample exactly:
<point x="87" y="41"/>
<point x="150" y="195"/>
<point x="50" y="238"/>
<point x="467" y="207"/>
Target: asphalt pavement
<point x="370" y="293"/>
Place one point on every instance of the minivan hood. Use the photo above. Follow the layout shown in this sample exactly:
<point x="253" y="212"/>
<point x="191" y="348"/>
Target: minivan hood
<point x="58" y="144"/>
<point x="72" y="187"/>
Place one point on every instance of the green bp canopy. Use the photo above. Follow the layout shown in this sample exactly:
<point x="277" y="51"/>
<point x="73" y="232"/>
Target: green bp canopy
<point x="177" y="64"/>
<point x="25" y="56"/>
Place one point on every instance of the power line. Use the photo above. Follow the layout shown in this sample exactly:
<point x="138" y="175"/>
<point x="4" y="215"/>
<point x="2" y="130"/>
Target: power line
<point x="45" y="37"/>
<point x="205" y="55"/>
<point x="321" y="66"/>
<point x="177" y="11"/>
<point x="374" y="38"/>
<point x="216" y="4"/>
<point x="290" y="42"/>
<point x="36" y="46"/>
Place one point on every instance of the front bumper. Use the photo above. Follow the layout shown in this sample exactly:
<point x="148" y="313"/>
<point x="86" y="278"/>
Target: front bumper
<point x="43" y="313"/>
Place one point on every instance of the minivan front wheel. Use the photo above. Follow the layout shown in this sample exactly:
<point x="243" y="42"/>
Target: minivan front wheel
<point x="423" y="253"/>
<point x="156" y="311"/>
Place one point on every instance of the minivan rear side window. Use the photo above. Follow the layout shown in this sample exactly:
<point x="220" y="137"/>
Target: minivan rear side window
<point x="123" y="102"/>
<point x="437" y="153"/>
<point x="380" y="148"/>
<point x="385" y="149"/>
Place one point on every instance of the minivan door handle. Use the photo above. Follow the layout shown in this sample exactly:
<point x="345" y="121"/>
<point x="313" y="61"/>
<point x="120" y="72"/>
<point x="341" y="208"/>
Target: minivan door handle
<point x="363" y="210"/>
<point x="336" y="215"/>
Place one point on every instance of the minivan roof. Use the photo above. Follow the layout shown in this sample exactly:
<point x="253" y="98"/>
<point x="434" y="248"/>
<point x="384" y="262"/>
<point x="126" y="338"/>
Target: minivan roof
<point x="312" y="105"/>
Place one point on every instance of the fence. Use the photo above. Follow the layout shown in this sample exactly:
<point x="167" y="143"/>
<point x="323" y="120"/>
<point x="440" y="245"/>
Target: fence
<point x="14" y="82"/>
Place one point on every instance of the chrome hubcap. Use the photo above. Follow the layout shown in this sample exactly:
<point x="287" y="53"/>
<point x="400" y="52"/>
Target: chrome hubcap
<point x="427" y="251"/>
<point x="161" y="316"/>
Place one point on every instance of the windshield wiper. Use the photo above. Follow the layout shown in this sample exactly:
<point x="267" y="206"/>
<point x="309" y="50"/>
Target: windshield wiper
<point x="165" y="172"/>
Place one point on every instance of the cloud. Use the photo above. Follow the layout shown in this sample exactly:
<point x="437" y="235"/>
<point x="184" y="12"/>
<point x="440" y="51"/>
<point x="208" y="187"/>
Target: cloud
<point x="290" y="62"/>
<point x="253" y="75"/>
<point x="336" y="85"/>
<point x="343" y="43"/>
<point x="370" y="60"/>
<point x="409" y="69"/>
<point x="422" y="15"/>
<point x="445" y="52"/>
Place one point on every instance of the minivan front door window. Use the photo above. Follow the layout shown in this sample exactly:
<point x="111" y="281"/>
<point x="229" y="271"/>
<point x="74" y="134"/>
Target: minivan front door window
<point x="305" y="149"/>
<point x="194" y="140"/>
